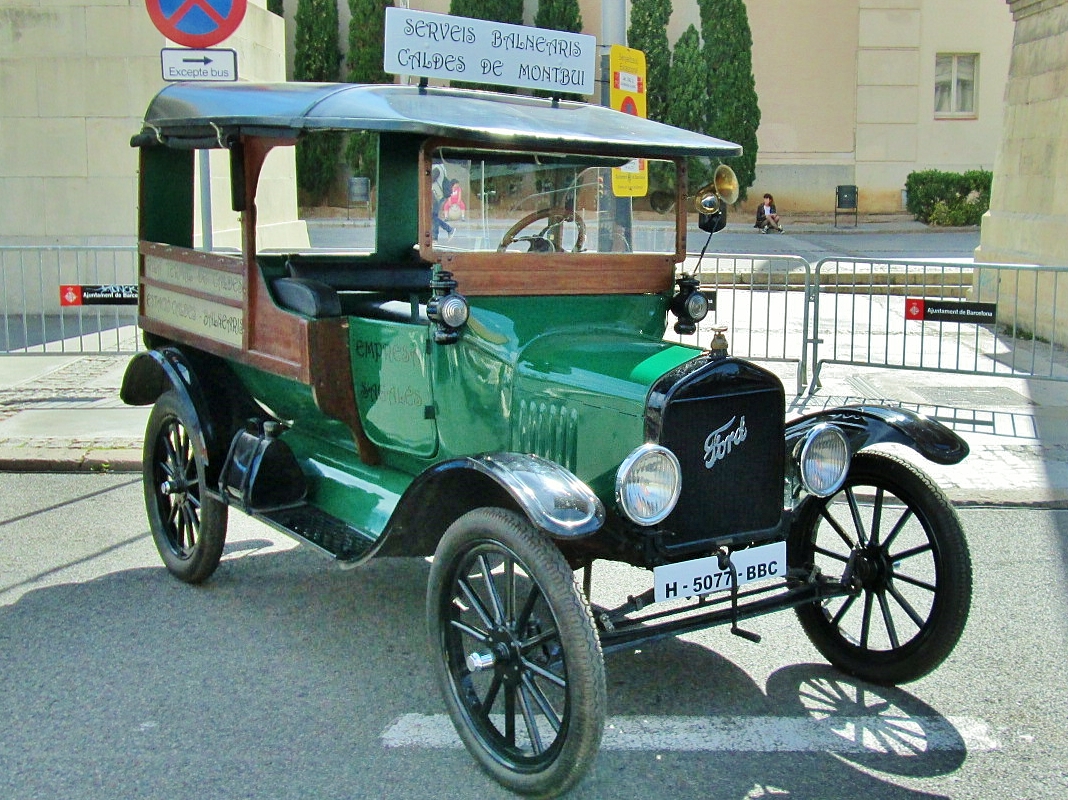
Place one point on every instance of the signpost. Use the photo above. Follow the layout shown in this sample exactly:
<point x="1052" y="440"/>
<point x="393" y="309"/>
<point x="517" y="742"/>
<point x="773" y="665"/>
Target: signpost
<point x="198" y="24"/>
<point x="479" y="51"/>
<point x="627" y="94"/>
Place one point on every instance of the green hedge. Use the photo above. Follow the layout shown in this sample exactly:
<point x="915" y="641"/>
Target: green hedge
<point x="948" y="198"/>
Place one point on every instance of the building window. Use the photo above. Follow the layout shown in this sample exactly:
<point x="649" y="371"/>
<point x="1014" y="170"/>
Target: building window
<point x="956" y="77"/>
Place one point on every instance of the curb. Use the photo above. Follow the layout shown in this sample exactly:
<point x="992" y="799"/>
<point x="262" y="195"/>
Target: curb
<point x="63" y="459"/>
<point x="33" y="458"/>
<point x="1048" y="499"/>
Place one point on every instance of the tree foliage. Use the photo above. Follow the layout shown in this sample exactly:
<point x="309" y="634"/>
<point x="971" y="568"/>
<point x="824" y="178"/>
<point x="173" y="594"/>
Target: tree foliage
<point x="367" y="25"/>
<point x="316" y="57"/>
<point x="687" y="90"/>
<point x="648" y="33"/>
<point x="276" y="7"/>
<point x="559" y="15"/>
<point x="733" y="111"/>
<point x="508" y="11"/>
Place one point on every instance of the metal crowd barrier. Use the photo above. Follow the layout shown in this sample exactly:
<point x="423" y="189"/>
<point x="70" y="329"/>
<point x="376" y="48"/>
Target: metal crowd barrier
<point x="68" y="300"/>
<point x="761" y="299"/>
<point x="940" y="316"/>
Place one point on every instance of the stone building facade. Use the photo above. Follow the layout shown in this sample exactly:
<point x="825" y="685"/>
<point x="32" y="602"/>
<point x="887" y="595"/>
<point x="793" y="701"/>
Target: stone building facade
<point x="75" y="79"/>
<point x="847" y="90"/>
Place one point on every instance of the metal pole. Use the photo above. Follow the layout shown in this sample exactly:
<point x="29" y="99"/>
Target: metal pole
<point x="205" y="199"/>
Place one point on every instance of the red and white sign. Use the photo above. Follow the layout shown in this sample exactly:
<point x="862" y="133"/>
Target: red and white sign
<point x="196" y="23"/>
<point x="628" y="82"/>
<point x="98" y="295"/>
<point x="70" y="295"/>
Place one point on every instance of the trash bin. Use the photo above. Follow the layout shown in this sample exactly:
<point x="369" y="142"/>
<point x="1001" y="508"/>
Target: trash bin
<point x="360" y="192"/>
<point x="845" y="202"/>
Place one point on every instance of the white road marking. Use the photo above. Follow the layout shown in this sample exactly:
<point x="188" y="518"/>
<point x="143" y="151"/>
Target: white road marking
<point x="896" y="735"/>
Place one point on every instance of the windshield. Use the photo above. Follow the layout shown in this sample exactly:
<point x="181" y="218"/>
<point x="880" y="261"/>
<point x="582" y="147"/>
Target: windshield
<point x="525" y="202"/>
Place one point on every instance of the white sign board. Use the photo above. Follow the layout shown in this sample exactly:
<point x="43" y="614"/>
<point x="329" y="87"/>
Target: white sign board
<point x="478" y="51"/>
<point x="180" y="64"/>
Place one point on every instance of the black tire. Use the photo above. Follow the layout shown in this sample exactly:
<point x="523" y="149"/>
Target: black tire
<point x="911" y="567"/>
<point x="188" y="526"/>
<point x="533" y="718"/>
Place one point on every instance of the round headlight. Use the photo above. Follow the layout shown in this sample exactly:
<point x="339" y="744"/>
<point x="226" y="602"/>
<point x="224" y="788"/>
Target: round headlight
<point x="453" y="310"/>
<point x="648" y="484"/>
<point x="824" y="460"/>
<point x="697" y="306"/>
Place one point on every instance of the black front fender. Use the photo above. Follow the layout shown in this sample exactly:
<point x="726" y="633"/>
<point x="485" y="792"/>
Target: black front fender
<point x="868" y="425"/>
<point x="549" y="495"/>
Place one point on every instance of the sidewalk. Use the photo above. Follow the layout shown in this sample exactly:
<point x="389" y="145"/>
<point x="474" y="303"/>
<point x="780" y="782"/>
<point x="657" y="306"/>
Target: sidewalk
<point x="63" y="413"/>
<point x="846" y="224"/>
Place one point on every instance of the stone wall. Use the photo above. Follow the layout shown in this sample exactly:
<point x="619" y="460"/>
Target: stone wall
<point x="1029" y="203"/>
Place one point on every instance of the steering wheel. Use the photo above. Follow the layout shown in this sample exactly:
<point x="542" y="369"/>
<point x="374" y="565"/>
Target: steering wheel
<point x="540" y="242"/>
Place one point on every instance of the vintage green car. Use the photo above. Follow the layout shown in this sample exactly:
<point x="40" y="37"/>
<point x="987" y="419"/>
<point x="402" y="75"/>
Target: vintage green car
<point x="481" y="375"/>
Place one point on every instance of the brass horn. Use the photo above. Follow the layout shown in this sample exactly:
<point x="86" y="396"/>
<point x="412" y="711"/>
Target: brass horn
<point x="723" y="186"/>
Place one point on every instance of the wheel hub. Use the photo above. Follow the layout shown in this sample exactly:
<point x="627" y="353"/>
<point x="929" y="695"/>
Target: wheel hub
<point x="503" y="655"/>
<point x="174" y="486"/>
<point x="872" y="568"/>
<point x="506" y="656"/>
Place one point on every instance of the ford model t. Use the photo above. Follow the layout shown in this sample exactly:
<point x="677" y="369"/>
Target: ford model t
<point x="489" y="384"/>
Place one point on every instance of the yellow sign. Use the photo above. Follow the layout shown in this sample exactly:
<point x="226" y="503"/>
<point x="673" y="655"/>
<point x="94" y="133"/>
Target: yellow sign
<point x="627" y="94"/>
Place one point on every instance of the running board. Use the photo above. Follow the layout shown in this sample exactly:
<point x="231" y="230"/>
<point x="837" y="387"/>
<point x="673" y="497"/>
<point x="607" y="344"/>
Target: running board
<point x="330" y="535"/>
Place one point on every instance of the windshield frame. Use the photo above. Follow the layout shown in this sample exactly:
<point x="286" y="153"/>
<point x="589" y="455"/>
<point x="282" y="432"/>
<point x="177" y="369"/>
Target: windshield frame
<point x="552" y="273"/>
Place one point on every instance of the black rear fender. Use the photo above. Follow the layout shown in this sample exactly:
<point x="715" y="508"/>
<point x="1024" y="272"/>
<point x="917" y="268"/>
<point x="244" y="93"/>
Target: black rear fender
<point x="205" y="389"/>
<point x="865" y="426"/>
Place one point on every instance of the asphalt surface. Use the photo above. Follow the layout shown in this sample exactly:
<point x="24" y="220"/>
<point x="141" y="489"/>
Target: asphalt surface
<point x="62" y="412"/>
<point x="286" y="677"/>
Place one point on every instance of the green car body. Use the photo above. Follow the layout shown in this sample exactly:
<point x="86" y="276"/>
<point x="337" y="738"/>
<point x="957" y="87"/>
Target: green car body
<point x="491" y="385"/>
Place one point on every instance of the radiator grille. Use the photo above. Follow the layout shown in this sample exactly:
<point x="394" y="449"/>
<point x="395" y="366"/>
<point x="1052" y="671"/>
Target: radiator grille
<point x="727" y="429"/>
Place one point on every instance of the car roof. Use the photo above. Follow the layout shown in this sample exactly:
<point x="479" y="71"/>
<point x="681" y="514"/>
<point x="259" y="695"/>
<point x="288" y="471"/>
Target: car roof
<point x="193" y="114"/>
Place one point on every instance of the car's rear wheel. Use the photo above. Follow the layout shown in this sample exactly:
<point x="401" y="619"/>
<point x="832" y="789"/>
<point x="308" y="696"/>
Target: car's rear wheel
<point x="897" y="541"/>
<point x="188" y="525"/>
<point x="516" y="652"/>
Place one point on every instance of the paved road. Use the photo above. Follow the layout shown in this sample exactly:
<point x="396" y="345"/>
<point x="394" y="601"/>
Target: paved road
<point x="907" y="239"/>
<point x="284" y="677"/>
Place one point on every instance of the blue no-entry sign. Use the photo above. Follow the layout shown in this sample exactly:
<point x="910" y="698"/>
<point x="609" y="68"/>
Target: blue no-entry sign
<point x="196" y="23"/>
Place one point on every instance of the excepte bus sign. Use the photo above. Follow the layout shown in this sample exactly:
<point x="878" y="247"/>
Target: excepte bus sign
<point x="440" y="46"/>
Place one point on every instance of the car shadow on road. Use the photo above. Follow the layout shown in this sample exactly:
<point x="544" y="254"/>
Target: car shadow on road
<point x="276" y="678"/>
<point x="881" y="729"/>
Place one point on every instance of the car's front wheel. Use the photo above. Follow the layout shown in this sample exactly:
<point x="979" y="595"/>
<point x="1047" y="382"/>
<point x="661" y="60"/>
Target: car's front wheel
<point x="892" y="536"/>
<point x="188" y="525"/>
<point x="516" y="652"/>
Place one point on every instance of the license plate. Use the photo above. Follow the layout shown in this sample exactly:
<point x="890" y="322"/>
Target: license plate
<point x="703" y="575"/>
